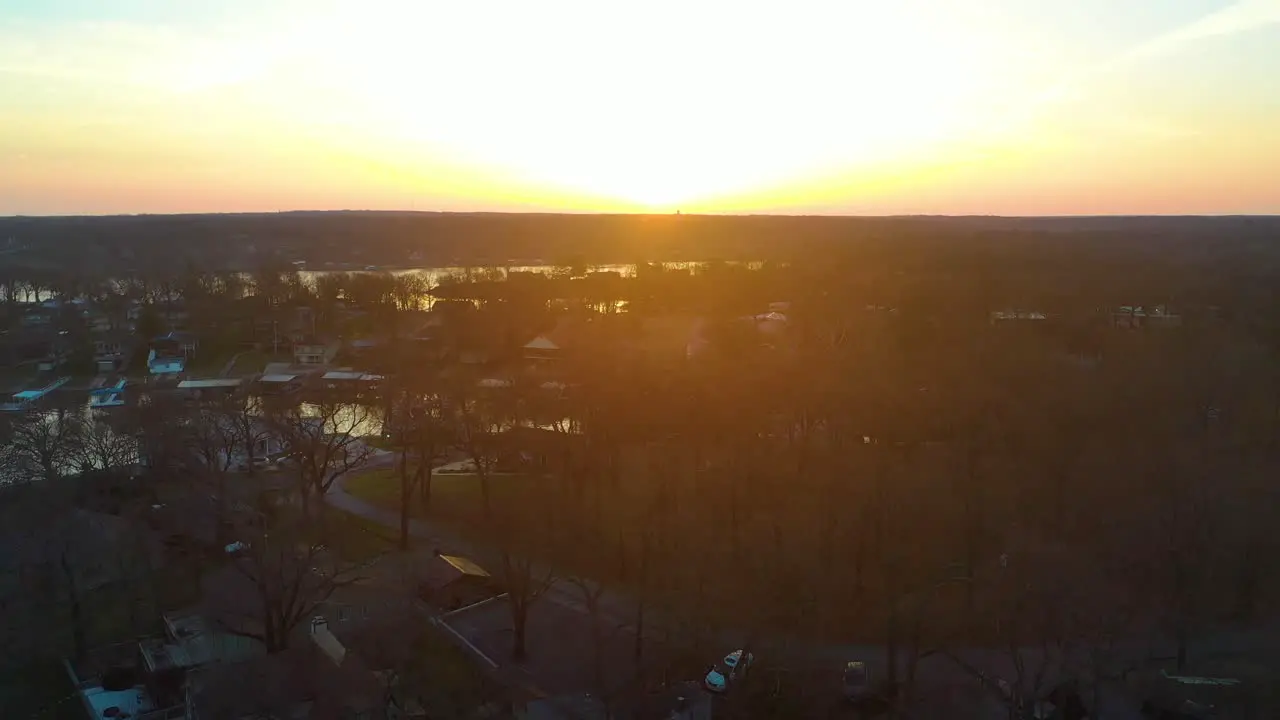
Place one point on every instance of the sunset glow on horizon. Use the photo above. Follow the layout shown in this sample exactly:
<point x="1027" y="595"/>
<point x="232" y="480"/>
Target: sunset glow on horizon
<point x="1014" y="107"/>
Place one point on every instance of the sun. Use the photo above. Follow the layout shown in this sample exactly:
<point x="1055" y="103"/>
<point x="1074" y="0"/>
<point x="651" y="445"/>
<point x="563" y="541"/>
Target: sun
<point x="674" y="107"/>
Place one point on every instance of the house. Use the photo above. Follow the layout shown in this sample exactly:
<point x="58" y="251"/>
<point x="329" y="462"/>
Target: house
<point x="452" y="581"/>
<point x="366" y="347"/>
<point x="182" y="342"/>
<point x="112" y="682"/>
<point x="313" y="351"/>
<point x="158" y="364"/>
<point x="169" y="353"/>
<point x="111" y="350"/>
<point x="56" y="358"/>
<point x="320" y="677"/>
<point x="190" y="641"/>
<point x="37" y="317"/>
<point x="562" y="340"/>
<point x="336" y="665"/>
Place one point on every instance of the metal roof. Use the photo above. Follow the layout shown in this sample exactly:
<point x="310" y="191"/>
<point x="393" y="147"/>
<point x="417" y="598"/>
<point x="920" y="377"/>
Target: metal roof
<point x="465" y="566"/>
<point x="277" y="378"/>
<point x="202" y="384"/>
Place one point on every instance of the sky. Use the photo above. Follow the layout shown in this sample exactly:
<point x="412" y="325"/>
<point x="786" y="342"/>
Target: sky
<point x="867" y="107"/>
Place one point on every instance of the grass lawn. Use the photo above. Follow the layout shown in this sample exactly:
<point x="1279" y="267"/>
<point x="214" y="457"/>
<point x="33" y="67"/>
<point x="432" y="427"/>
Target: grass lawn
<point x="446" y="680"/>
<point x="453" y="496"/>
<point x="355" y="539"/>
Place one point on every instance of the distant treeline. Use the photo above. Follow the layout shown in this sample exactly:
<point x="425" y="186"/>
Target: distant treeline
<point x="359" y="239"/>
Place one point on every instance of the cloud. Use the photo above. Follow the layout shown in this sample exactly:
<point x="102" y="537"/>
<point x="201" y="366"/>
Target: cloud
<point x="1240" y="17"/>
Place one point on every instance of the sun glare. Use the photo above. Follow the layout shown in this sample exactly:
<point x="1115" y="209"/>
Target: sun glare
<point x="674" y="107"/>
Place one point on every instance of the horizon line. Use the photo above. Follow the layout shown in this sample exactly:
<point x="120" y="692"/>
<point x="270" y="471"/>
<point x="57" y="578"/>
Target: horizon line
<point x="544" y="213"/>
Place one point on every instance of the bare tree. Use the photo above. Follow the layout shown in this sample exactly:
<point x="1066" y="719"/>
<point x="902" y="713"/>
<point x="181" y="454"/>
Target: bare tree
<point x="45" y="444"/>
<point x="524" y="584"/>
<point x="279" y="580"/>
<point x="479" y="423"/>
<point x="423" y="435"/>
<point x="103" y="447"/>
<point x="321" y="440"/>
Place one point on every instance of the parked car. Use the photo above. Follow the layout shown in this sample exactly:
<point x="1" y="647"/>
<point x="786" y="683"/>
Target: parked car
<point x="733" y="666"/>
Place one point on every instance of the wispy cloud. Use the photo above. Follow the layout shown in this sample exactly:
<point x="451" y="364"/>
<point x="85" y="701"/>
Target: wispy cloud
<point x="1239" y="17"/>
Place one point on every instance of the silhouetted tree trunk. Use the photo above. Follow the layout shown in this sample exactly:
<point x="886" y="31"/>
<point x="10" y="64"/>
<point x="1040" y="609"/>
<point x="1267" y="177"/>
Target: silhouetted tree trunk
<point x="406" y="497"/>
<point x="77" y="609"/>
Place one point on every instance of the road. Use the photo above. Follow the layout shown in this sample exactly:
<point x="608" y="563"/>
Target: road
<point x="617" y="611"/>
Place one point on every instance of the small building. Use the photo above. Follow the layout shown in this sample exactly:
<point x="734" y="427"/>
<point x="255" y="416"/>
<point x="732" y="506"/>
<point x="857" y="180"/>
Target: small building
<point x="278" y="383"/>
<point x="169" y="353"/>
<point x="452" y="581"/>
<point x="314" y="351"/>
<point x="181" y="342"/>
<point x="350" y="380"/>
<point x="158" y="364"/>
<point x="554" y="344"/>
<point x="37" y="317"/>
<point x="111" y="350"/>
<point x="210" y="388"/>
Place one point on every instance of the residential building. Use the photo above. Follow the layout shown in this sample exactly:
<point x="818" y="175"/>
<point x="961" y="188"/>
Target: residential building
<point x="111" y="350"/>
<point x="314" y="351"/>
<point x="169" y="353"/>
<point x="158" y="364"/>
<point x="183" y="342"/>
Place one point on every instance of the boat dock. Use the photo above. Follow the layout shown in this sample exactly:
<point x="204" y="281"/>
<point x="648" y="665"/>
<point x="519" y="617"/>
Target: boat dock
<point x="27" y="398"/>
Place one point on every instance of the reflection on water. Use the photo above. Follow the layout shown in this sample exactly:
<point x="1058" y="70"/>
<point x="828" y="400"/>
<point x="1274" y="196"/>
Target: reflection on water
<point x="357" y="419"/>
<point x="99" y="445"/>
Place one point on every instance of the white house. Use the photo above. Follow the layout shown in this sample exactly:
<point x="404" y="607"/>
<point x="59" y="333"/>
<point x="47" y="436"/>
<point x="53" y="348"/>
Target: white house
<point x="170" y="365"/>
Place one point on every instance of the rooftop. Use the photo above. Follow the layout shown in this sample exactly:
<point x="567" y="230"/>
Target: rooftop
<point x="465" y="566"/>
<point x="206" y="384"/>
<point x="350" y="375"/>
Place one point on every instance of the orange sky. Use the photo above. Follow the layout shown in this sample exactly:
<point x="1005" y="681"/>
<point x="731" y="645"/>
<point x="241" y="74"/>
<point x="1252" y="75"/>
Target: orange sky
<point x="921" y="106"/>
